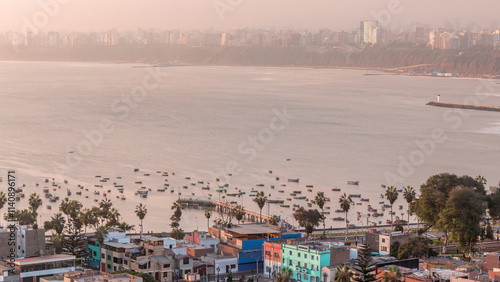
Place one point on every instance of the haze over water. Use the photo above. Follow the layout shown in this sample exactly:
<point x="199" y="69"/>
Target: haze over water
<point x="344" y="126"/>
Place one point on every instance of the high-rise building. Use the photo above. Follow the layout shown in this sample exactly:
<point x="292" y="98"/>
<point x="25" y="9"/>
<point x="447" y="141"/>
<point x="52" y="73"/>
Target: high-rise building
<point x="368" y="32"/>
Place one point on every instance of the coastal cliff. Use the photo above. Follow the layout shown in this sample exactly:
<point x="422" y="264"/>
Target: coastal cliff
<point x="472" y="62"/>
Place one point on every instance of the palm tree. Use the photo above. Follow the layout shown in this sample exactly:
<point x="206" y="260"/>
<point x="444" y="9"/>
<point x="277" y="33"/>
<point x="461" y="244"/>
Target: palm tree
<point x="261" y="201"/>
<point x="113" y="218"/>
<point x="239" y="213"/>
<point x="392" y="195"/>
<point x="3" y="201"/>
<point x="320" y="201"/>
<point x="480" y="179"/>
<point x="100" y="234"/>
<point x="392" y="275"/>
<point x="345" y="204"/>
<point x="410" y="196"/>
<point x="35" y="202"/>
<point x="105" y="204"/>
<point x="141" y="211"/>
<point x="343" y="274"/>
<point x="208" y="215"/>
<point x="178" y="206"/>
<point x="87" y="218"/>
<point x="284" y="275"/>
<point x="56" y="223"/>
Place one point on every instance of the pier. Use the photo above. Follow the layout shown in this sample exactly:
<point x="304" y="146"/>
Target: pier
<point x="223" y="207"/>
<point x="465" y="107"/>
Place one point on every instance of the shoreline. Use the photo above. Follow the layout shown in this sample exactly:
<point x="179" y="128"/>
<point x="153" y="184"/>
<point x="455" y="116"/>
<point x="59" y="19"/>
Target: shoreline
<point x="388" y="71"/>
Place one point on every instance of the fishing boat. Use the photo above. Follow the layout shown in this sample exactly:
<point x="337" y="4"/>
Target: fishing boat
<point x="275" y="201"/>
<point x="138" y="182"/>
<point x="123" y="198"/>
<point x="309" y="190"/>
<point x="288" y="199"/>
<point x="399" y="190"/>
<point x="293" y="194"/>
<point x="146" y="174"/>
<point x="381" y="203"/>
<point x="160" y="189"/>
<point x="381" y="196"/>
<point x="355" y="195"/>
<point x="382" y="186"/>
<point x="309" y="205"/>
<point x="300" y="198"/>
<point x="277" y="178"/>
<point x="359" y="204"/>
<point x="293" y="179"/>
<point x="339" y="210"/>
<point x="188" y="178"/>
<point x="46" y="190"/>
<point x="136" y="169"/>
<point x="205" y="188"/>
<point x="118" y="186"/>
<point x="260" y="185"/>
<point x="400" y="207"/>
<point x="281" y="191"/>
<point x="338" y="219"/>
<point x="69" y="193"/>
<point x="309" y="186"/>
<point x="96" y="193"/>
<point x="365" y="199"/>
<point x="386" y="206"/>
<point x="200" y="182"/>
<point x="79" y="193"/>
<point x="297" y="192"/>
<point x="49" y="207"/>
<point x="352" y="182"/>
<point x="285" y="206"/>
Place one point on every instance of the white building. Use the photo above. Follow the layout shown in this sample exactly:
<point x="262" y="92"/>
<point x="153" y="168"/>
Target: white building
<point x="225" y="264"/>
<point x="37" y="267"/>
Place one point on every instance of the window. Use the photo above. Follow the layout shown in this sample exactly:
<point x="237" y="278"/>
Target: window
<point x="305" y="265"/>
<point x="185" y="261"/>
<point x="299" y="278"/>
<point x="306" y="277"/>
<point x="383" y="240"/>
<point x="109" y="257"/>
<point x="167" y="265"/>
<point x="317" y="279"/>
<point x="103" y="256"/>
<point x="290" y="263"/>
<point x="125" y="262"/>
<point x="94" y="253"/>
<point x="305" y="255"/>
<point x="233" y="266"/>
<point x="114" y="267"/>
<point x="165" y="274"/>
<point x="109" y="266"/>
<point x="268" y="253"/>
<point x="290" y="252"/>
<point x="312" y="257"/>
<point x="276" y="255"/>
<point x="298" y="264"/>
<point x="298" y="255"/>
<point x="283" y="260"/>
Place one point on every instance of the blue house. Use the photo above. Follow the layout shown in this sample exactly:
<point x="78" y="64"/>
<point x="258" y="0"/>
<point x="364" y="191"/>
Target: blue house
<point x="246" y="242"/>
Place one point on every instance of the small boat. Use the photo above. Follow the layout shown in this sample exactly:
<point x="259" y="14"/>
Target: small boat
<point x="86" y="196"/>
<point x="339" y="210"/>
<point x="359" y="204"/>
<point x="200" y="182"/>
<point x="381" y="196"/>
<point x="297" y="192"/>
<point x="277" y="178"/>
<point x="355" y="195"/>
<point x="336" y="189"/>
<point x="352" y="182"/>
<point x="136" y="169"/>
<point x="285" y="206"/>
<point x="388" y="222"/>
<point x="103" y="180"/>
<point x="118" y="186"/>
<point x="293" y="194"/>
<point x="79" y="193"/>
<point x="138" y="182"/>
<point x="381" y="203"/>
<point x="309" y="205"/>
<point x="365" y="199"/>
<point x="382" y="186"/>
<point x="281" y="191"/>
<point x="49" y="207"/>
<point x="260" y="185"/>
<point x="309" y="190"/>
<point x="146" y="174"/>
<point x="97" y="176"/>
<point x="96" y="193"/>
<point x="400" y="207"/>
<point x="160" y="189"/>
<point x="46" y="190"/>
<point x="69" y="193"/>
<point x="309" y="186"/>
<point x="293" y="179"/>
<point x="275" y="201"/>
<point x="399" y="190"/>
<point x="338" y="219"/>
<point x="205" y="188"/>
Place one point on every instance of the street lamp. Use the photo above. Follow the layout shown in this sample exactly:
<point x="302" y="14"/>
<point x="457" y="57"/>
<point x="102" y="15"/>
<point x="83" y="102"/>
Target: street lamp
<point x="218" y="270"/>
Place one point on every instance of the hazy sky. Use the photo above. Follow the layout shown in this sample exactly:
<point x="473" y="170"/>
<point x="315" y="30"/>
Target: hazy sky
<point x="97" y="15"/>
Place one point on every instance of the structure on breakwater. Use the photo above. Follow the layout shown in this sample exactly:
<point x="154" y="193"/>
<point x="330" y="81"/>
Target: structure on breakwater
<point x="463" y="106"/>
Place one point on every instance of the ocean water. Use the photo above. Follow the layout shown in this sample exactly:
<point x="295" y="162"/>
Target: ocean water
<point x="74" y="121"/>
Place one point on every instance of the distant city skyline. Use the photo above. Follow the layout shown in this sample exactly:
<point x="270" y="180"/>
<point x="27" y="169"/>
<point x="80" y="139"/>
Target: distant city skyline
<point x="93" y="15"/>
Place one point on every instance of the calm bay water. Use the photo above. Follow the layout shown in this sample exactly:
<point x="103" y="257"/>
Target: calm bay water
<point x="199" y="122"/>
